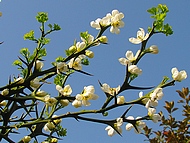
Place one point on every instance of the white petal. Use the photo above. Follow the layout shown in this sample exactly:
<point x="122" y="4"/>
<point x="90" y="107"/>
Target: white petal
<point x="135" y="40"/>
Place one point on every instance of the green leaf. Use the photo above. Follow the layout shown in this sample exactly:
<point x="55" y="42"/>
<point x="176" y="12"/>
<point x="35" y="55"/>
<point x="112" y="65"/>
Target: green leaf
<point x="58" y="80"/>
<point x="17" y="63"/>
<point x="50" y="26"/>
<point x="56" y="27"/>
<point x="29" y="36"/>
<point x="59" y="59"/>
<point x="44" y="41"/>
<point x="25" y="52"/>
<point x="85" y="35"/>
<point x="42" y="17"/>
<point x="85" y="61"/>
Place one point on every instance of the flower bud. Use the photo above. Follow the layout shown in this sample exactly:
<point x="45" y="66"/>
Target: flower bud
<point x="120" y="99"/>
<point x="26" y="139"/>
<point x="154" y="49"/>
<point x="103" y="39"/>
<point x="19" y="80"/>
<point x="72" y="49"/>
<point x="41" y="93"/>
<point x="39" y="65"/>
<point x="89" y="54"/>
<point x="5" y="92"/>
<point x="134" y="69"/>
<point x="49" y="126"/>
<point x="3" y="103"/>
<point x="57" y="121"/>
<point x="54" y="140"/>
<point x="77" y="103"/>
<point x="64" y="102"/>
<point x="35" y="83"/>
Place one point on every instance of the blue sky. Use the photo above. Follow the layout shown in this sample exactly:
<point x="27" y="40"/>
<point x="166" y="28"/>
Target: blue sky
<point x="74" y="17"/>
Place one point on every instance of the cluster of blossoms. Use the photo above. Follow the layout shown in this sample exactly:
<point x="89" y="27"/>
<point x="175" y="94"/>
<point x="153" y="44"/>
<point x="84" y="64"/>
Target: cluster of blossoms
<point x="113" y="19"/>
<point x="86" y="95"/>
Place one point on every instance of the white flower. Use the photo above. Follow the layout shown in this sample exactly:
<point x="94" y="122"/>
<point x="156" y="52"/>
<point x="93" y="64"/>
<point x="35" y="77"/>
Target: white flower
<point x="89" y="40"/>
<point x="156" y="95"/>
<point x="116" y="21"/>
<point x="66" y="91"/>
<point x="75" y="63"/>
<point x="87" y="94"/>
<point x="62" y="67"/>
<point x="133" y="69"/>
<point x="35" y="83"/>
<point x="112" y="91"/>
<point x="129" y="58"/>
<point x="39" y="65"/>
<point x="155" y="117"/>
<point x="26" y="139"/>
<point x="154" y="49"/>
<point x="139" y="124"/>
<point x="96" y="23"/>
<point x="140" y="37"/>
<point x="120" y="100"/>
<point x="5" y="92"/>
<point x="50" y="101"/>
<point x="77" y="103"/>
<point x="49" y="126"/>
<point x="178" y="75"/>
<point x="117" y="125"/>
<point x="80" y="46"/>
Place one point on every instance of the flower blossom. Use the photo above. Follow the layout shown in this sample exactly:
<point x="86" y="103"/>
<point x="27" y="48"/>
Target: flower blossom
<point x="62" y="67"/>
<point x="87" y="94"/>
<point x="129" y="58"/>
<point x="112" y="91"/>
<point x="178" y="75"/>
<point x="140" y="37"/>
<point x="114" y="19"/>
<point x="50" y="101"/>
<point x="66" y="91"/>
<point x="139" y="124"/>
<point x="75" y="63"/>
<point x="80" y="46"/>
<point x="152" y="100"/>
<point x="155" y="117"/>
<point x="89" y="40"/>
<point x="117" y="126"/>
<point x="133" y="69"/>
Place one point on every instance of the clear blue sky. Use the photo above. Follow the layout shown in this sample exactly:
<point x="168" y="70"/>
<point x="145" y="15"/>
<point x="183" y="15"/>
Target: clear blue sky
<point x="74" y="17"/>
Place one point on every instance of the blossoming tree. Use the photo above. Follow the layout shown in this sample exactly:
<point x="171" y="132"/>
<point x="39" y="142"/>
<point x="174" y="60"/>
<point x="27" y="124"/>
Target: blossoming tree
<point x="24" y="92"/>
